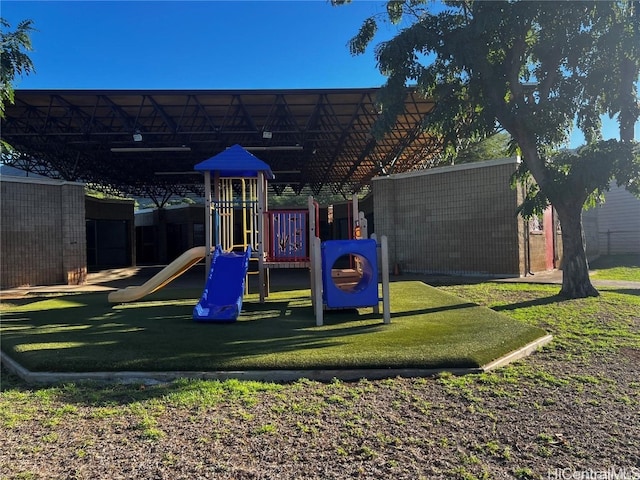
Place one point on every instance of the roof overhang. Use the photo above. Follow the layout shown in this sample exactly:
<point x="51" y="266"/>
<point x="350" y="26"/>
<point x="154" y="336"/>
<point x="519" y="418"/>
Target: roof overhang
<point x="146" y="143"/>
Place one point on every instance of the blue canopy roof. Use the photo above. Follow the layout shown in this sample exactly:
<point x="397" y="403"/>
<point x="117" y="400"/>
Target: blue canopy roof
<point x="235" y="161"/>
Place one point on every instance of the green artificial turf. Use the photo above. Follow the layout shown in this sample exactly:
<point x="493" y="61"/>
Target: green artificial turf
<point x="83" y="332"/>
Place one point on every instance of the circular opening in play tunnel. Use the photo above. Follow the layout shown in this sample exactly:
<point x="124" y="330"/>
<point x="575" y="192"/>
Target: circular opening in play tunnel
<point x="352" y="273"/>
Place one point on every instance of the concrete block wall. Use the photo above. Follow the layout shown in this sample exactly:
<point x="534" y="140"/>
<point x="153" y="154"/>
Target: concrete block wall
<point x="74" y="237"/>
<point x="42" y="232"/>
<point x="537" y="244"/>
<point x="456" y="219"/>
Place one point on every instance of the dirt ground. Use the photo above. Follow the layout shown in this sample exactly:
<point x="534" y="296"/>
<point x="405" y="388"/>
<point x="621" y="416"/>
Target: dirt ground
<point x="558" y="418"/>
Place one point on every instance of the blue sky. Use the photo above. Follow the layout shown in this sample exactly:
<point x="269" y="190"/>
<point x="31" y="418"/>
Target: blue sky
<point x="196" y="44"/>
<point x="211" y="44"/>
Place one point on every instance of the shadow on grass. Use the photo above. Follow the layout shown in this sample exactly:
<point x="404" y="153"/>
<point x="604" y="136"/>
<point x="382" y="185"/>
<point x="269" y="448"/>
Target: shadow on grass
<point x="85" y="332"/>
<point x="623" y="291"/>
<point x="531" y="303"/>
<point x="428" y="311"/>
<point x="558" y="299"/>
<point x="31" y="299"/>
<point x="195" y="278"/>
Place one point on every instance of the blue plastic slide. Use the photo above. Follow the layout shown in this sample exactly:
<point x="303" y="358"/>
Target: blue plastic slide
<point x="221" y="300"/>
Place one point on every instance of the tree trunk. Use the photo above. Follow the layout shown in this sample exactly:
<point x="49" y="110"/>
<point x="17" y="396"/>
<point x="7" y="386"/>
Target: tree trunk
<point x="575" y="269"/>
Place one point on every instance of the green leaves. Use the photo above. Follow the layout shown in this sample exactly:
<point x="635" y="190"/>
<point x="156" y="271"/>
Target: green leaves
<point x="13" y="59"/>
<point x="359" y="43"/>
<point x="584" y="174"/>
<point x="495" y="146"/>
<point x="394" y="10"/>
<point x="533" y="68"/>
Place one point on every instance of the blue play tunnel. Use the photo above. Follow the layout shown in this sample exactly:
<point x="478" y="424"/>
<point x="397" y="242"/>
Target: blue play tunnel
<point x="362" y="289"/>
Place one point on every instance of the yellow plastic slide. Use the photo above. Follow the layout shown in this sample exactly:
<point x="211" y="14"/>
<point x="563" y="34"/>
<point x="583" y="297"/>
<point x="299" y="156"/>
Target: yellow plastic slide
<point x="176" y="268"/>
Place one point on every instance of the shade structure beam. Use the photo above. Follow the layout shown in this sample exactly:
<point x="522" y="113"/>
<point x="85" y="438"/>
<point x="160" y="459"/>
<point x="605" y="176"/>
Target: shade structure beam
<point x="120" y="138"/>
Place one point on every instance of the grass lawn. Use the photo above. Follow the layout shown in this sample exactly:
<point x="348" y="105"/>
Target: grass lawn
<point x="83" y="332"/>
<point x="616" y="267"/>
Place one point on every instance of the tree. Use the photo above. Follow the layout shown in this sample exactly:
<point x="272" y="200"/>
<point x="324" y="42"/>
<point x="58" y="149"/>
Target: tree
<point x="532" y="69"/>
<point x="14" y="61"/>
<point x="495" y="146"/>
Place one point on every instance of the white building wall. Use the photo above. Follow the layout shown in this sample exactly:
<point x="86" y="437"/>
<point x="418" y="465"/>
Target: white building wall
<point x="613" y="227"/>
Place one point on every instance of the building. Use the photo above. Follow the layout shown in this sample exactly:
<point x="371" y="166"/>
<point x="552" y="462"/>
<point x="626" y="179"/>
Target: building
<point x="462" y="220"/>
<point x="613" y="227"/>
<point x="42" y="232"/>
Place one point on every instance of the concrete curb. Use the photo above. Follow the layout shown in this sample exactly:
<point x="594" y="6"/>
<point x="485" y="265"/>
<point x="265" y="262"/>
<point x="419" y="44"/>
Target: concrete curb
<point x="525" y="351"/>
<point x="150" y="378"/>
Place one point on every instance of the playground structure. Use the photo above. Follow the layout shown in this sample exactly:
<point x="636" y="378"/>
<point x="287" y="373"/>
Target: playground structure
<point x="344" y="273"/>
<point x="335" y="287"/>
<point x="239" y="186"/>
<point x="356" y="287"/>
<point x="222" y="297"/>
<point x="176" y="268"/>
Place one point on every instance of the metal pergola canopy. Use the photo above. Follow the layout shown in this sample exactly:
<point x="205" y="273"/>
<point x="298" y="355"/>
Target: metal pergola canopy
<point x="146" y="143"/>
